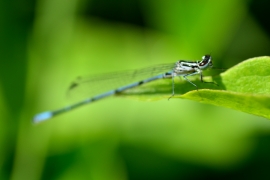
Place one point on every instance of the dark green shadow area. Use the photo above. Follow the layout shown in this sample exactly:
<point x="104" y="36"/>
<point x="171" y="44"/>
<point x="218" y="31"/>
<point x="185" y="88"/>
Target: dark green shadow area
<point x="163" y="88"/>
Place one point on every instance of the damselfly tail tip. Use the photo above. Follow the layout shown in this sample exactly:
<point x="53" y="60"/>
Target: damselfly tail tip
<point x="42" y="117"/>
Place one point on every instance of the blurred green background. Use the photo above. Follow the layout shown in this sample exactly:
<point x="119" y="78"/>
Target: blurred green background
<point x="45" y="44"/>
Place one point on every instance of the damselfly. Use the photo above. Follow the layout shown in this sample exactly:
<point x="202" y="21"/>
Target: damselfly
<point x="129" y="79"/>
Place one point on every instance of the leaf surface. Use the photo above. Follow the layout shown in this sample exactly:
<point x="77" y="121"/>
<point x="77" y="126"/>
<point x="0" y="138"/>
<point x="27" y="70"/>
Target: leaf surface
<point x="244" y="87"/>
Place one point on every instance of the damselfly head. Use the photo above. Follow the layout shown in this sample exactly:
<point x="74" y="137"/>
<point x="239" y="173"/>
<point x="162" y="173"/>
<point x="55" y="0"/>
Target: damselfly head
<point x="206" y="62"/>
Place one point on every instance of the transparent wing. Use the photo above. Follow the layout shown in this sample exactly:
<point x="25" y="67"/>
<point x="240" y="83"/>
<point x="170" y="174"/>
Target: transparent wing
<point x="84" y="87"/>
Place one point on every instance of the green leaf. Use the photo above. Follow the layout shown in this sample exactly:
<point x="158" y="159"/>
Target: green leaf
<point x="244" y="87"/>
